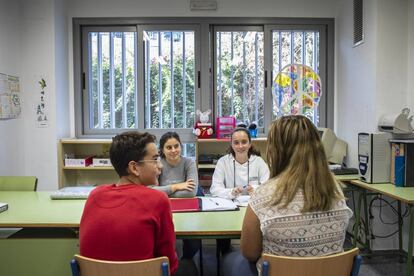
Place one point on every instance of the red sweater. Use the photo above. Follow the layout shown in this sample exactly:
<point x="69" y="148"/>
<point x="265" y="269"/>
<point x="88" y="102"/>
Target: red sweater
<point x="127" y="222"/>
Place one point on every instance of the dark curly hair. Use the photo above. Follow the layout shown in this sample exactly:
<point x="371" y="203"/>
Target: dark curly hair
<point x="128" y="146"/>
<point x="165" y="137"/>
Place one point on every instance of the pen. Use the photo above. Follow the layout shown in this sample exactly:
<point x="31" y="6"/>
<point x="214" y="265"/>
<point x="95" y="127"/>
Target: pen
<point x="213" y="201"/>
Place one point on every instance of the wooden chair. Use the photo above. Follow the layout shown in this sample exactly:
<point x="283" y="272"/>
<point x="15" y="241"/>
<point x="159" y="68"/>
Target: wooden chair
<point x="83" y="266"/>
<point x="342" y="264"/>
<point x="18" y="183"/>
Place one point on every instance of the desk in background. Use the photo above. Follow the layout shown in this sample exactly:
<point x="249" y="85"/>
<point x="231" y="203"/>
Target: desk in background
<point x="402" y="195"/>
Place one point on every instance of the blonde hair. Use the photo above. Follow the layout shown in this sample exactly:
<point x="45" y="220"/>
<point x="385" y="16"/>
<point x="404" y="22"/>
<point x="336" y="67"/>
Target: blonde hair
<point x="297" y="160"/>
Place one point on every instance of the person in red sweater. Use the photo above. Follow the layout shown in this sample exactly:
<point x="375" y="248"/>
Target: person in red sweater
<point x="128" y="221"/>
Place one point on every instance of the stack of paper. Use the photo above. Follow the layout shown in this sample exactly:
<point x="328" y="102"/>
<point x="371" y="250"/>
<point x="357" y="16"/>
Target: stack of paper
<point x="217" y="204"/>
<point x="80" y="192"/>
<point x="242" y="200"/>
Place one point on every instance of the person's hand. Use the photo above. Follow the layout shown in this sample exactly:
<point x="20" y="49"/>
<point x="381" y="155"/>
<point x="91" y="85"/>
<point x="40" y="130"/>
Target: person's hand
<point x="249" y="189"/>
<point x="188" y="185"/>
<point x="237" y="191"/>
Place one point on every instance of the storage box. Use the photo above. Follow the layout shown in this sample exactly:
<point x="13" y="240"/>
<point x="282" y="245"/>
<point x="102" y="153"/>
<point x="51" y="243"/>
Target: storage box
<point x="78" y="162"/>
<point x="101" y="162"/>
<point x="225" y="126"/>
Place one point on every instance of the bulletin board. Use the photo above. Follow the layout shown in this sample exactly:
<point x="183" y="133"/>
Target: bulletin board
<point x="10" y="107"/>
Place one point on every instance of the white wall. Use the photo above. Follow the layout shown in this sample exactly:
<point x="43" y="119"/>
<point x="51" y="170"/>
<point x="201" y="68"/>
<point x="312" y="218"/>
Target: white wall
<point x="11" y="142"/>
<point x="33" y="45"/>
<point x="372" y="80"/>
<point x="174" y="8"/>
<point x="410" y="54"/>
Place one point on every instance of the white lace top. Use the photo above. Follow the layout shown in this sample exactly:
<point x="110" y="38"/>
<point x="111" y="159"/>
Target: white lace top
<point x="288" y="232"/>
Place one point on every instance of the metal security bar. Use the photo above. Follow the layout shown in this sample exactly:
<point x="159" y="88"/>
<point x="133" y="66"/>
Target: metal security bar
<point x="240" y="73"/>
<point x="112" y="80"/>
<point x="170" y="102"/>
<point x="299" y="47"/>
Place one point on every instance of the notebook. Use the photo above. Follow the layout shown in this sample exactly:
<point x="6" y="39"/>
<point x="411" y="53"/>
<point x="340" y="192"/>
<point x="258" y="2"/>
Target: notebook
<point x="81" y="192"/>
<point x="217" y="204"/>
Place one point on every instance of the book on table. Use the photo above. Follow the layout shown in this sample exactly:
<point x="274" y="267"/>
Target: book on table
<point x="185" y="204"/>
<point x="3" y="206"/>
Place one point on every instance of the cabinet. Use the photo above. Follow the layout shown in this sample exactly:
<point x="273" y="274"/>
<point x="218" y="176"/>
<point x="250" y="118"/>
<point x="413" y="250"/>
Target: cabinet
<point x="79" y="176"/>
<point x="219" y="147"/>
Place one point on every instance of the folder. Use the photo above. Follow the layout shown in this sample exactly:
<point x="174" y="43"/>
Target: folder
<point x="202" y="204"/>
<point x="185" y="205"/>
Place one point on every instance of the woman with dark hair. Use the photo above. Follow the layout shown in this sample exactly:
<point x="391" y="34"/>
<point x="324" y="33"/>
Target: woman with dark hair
<point x="241" y="170"/>
<point x="179" y="176"/>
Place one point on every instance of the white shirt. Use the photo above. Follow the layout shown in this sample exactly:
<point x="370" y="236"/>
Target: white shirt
<point x="229" y="173"/>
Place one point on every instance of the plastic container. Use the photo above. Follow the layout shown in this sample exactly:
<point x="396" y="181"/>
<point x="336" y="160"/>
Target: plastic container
<point x="225" y="126"/>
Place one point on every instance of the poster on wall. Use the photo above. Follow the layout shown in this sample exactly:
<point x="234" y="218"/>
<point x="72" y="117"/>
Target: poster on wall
<point x="41" y="108"/>
<point x="10" y="107"/>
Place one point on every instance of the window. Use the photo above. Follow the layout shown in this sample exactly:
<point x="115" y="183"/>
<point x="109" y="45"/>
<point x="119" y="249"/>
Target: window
<point x="110" y="97"/>
<point x="153" y="74"/>
<point x="239" y="59"/>
<point x="295" y="47"/>
<point x="169" y="66"/>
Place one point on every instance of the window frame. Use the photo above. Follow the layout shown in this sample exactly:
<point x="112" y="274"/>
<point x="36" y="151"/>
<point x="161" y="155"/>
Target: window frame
<point x="205" y="95"/>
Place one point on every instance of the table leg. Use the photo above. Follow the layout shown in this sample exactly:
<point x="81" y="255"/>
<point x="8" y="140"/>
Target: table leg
<point x="367" y="234"/>
<point x="218" y="257"/>
<point x="357" y="220"/>
<point x="410" y="243"/>
<point x="400" y="222"/>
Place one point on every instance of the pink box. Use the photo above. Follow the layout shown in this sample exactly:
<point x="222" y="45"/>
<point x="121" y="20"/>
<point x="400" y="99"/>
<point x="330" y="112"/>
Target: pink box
<point x="225" y="126"/>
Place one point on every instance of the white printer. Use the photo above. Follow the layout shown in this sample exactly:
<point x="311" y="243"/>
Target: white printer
<point x="396" y="123"/>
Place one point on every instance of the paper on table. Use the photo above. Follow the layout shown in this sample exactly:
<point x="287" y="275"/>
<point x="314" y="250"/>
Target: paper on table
<point x="77" y="192"/>
<point x="217" y="204"/>
<point x="242" y="200"/>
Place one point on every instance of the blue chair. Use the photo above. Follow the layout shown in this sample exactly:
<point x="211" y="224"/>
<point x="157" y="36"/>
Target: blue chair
<point x="342" y="264"/>
<point x="92" y="267"/>
<point x="200" y="191"/>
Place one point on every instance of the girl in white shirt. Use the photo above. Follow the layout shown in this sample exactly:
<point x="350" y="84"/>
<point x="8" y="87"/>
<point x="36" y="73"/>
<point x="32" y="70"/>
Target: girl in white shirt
<point x="241" y="170"/>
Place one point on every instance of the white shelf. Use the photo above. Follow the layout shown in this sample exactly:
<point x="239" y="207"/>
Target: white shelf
<point x="206" y="166"/>
<point x="89" y="168"/>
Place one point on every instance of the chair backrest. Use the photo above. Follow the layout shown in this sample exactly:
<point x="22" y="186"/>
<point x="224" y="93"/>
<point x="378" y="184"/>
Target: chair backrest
<point x="83" y="266"/>
<point x="342" y="264"/>
<point x="18" y="183"/>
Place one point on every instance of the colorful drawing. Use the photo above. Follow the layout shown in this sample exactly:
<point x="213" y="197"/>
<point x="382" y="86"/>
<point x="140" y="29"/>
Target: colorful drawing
<point x="297" y="89"/>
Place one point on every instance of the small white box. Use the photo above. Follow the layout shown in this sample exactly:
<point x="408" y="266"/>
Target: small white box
<point x="78" y="162"/>
<point x="102" y="162"/>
